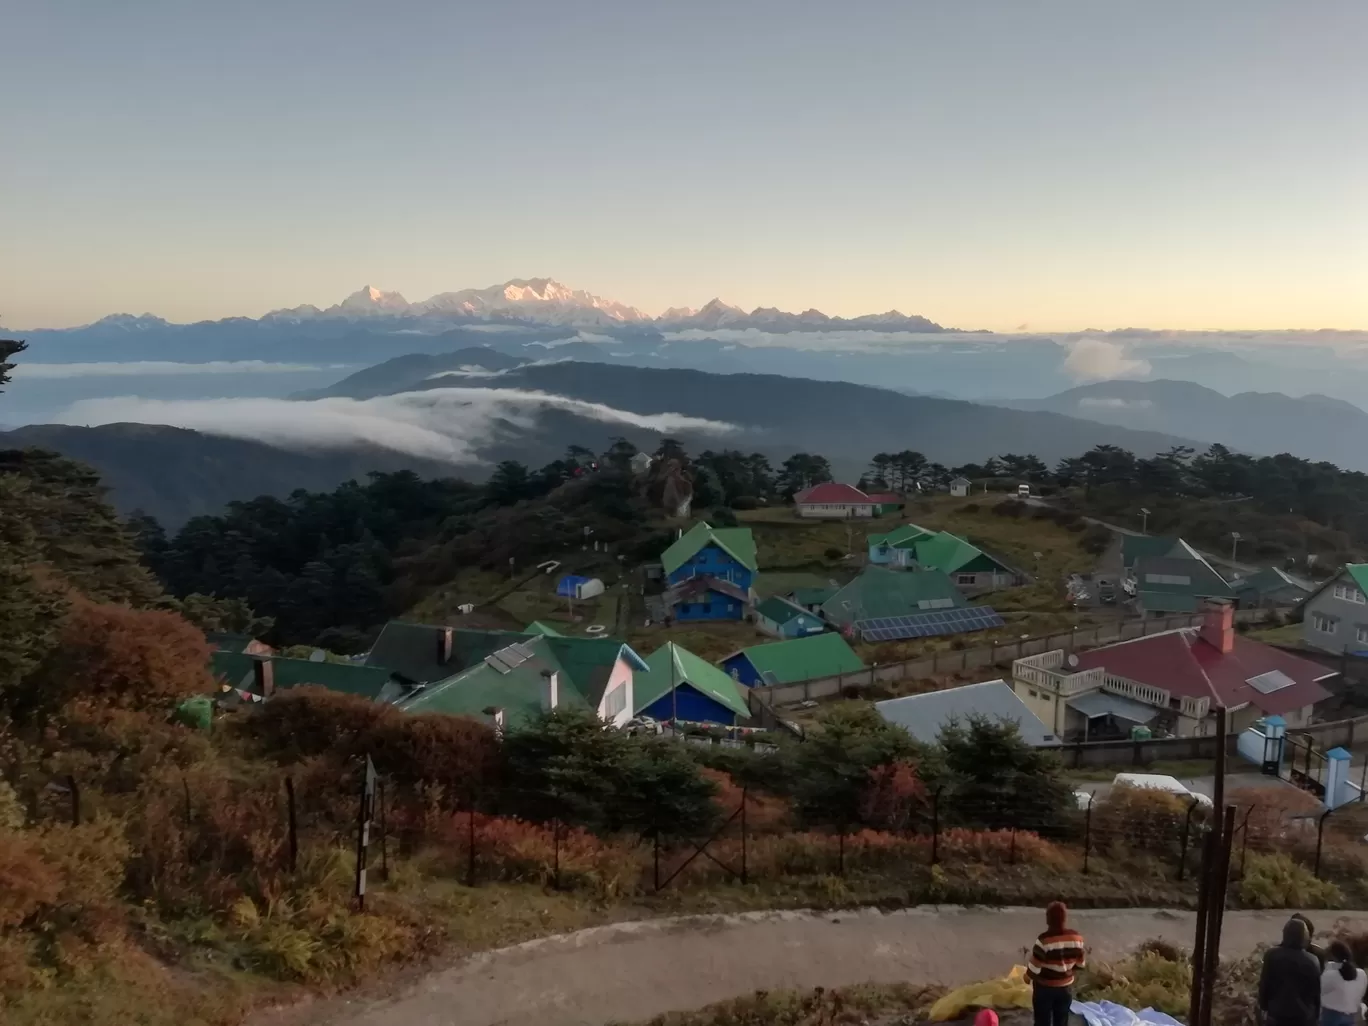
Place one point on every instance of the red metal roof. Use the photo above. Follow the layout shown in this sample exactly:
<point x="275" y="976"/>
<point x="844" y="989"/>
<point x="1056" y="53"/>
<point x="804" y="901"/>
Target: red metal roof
<point x="1182" y="663"/>
<point x="834" y="494"/>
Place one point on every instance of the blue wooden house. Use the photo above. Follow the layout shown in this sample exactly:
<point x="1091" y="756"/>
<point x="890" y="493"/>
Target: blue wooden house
<point x="678" y="685"/>
<point x="709" y="572"/>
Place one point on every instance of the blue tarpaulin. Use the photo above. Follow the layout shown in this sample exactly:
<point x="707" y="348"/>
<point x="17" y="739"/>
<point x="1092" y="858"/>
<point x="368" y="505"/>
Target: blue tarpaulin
<point x="569" y="585"/>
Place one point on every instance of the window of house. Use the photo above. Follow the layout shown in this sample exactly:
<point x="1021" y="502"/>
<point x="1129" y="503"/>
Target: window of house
<point x="966" y="578"/>
<point x="1361" y="634"/>
<point x="1033" y="692"/>
<point x="940" y="603"/>
<point x="1324" y="624"/>
<point x="1181" y="579"/>
<point x="615" y="701"/>
<point x="1349" y="593"/>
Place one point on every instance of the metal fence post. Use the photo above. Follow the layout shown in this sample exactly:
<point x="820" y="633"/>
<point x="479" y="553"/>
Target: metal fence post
<point x="745" y="878"/>
<point x="1320" y="837"/>
<point x="655" y="855"/>
<point x="935" y="825"/>
<point x="1087" y="832"/>
<point x="1011" y="853"/>
<point x="75" y="792"/>
<point x="840" y="851"/>
<point x="292" y="823"/>
<point x="1187" y="830"/>
<point x="555" y="847"/>
<point x="1244" y="841"/>
<point x="382" y="794"/>
<point x="470" y="844"/>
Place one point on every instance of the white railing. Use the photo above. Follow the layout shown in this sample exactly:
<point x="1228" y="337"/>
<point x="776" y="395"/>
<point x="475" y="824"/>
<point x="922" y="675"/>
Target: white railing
<point x="1147" y="693"/>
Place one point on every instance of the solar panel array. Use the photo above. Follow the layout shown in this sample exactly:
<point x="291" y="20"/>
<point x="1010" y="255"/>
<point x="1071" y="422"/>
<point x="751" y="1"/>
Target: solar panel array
<point x="1273" y="680"/>
<point x="507" y="658"/>
<point x="929" y="625"/>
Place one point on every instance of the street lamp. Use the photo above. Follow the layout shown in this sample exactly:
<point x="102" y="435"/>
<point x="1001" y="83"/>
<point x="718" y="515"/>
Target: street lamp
<point x="1144" y="520"/>
<point x="1234" y="544"/>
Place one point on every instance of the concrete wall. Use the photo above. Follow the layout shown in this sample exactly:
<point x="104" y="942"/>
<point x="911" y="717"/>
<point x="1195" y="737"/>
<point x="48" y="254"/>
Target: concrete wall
<point x="985" y="657"/>
<point x="1138" y="753"/>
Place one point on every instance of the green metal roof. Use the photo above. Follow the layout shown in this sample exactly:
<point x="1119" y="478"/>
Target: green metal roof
<point x="900" y="537"/>
<point x="1157" y="546"/>
<point x="738" y="542"/>
<point x="813" y="596"/>
<point x="879" y="591"/>
<point x="671" y="665"/>
<point x="236" y="670"/>
<point x="519" y="690"/>
<point x="1359" y="573"/>
<point x="948" y="553"/>
<point x="538" y="627"/>
<point x="412" y="649"/>
<point x="1271" y="579"/>
<point x="817" y="655"/>
<point x="780" y="610"/>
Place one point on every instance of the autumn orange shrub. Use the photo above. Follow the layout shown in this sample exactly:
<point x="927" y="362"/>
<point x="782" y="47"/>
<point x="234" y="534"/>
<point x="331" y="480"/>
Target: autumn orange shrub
<point x="1145" y="821"/>
<point x="765" y="813"/>
<point x="895" y="797"/>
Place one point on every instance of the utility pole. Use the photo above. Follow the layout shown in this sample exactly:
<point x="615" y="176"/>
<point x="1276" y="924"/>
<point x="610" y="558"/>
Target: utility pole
<point x="1144" y="520"/>
<point x="1234" y="544"/>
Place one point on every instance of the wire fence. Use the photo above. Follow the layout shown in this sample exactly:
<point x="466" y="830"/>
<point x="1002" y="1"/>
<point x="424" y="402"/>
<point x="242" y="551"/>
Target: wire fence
<point x="485" y="833"/>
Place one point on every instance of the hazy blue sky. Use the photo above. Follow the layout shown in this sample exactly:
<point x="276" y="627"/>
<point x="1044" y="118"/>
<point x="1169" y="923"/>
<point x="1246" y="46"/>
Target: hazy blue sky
<point x="987" y="164"/>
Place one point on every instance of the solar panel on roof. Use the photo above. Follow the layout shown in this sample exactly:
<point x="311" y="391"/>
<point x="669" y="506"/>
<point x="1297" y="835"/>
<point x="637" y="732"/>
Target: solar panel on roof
<point x="1273" y="680"/>
<point x="928" y="625"/>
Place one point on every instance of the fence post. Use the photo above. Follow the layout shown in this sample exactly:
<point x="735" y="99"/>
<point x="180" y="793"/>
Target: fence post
<point x="840" y="851"/>
<point x="1320" y="836"/>
<point x="1087" y="832"/>
<point x="1187" y="829"/>
<point x="555" y="845"/>
<point x="655" y="855"/>
<point x="382" y="794"/>
<point x="470" y="843"/>
<point x="935" y="825"/>
<point x="1011" y="853"/>
<point x="745" y="879"/>
<point x="1244" y="841"/>
<point x="75" y="792"/>
<point x="363" y="818"/>
<point x="292" y="821"/>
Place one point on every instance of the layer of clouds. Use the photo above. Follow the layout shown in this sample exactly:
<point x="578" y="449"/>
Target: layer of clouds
<point x="1097" y="359"/>
<point x="450" y="424"/>
<point x="163" y="368"/>
<point x="1098" y="402"/>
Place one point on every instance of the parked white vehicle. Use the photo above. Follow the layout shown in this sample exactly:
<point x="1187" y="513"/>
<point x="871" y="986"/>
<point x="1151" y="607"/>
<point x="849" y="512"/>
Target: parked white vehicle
<point x="1023" y="491"/>
<point x="1160" y="782"/>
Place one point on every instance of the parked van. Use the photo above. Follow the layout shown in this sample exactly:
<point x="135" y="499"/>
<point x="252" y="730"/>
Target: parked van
<point x="1023" y="491"/>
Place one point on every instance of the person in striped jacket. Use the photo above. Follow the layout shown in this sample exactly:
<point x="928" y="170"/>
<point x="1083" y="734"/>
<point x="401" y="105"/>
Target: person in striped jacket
<point x="1056" y="954"/>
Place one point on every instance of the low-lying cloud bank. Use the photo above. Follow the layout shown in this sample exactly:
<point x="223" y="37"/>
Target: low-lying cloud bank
<point x="450" y="424"/>
<point x="163" y="368"/>
<point x="1097" y="359"/>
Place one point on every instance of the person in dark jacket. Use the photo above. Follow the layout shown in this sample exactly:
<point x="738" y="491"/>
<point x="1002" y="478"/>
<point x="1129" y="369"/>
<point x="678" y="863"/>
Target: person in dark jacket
<point x="1311" y="944"/>
<point x="1289" y="986"/>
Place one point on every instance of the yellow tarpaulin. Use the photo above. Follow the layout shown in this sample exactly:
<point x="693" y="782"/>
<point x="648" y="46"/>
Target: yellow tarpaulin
<point x="1011" y="991"/>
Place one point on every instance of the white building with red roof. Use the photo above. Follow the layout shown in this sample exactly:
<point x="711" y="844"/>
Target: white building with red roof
<point x="1171" y="682"/>
<point x="835" y="501"/>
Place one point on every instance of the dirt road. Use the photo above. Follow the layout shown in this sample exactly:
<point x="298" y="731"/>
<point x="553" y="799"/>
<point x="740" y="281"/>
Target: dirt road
<point x="633" y="971"/>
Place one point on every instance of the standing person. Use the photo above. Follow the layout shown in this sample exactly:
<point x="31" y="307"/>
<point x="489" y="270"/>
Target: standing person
<point x="1056" y="954"/>
<point x="1290" y="983"/>
<point x="1311" y="944"/>
<point x="1343" y="986"/>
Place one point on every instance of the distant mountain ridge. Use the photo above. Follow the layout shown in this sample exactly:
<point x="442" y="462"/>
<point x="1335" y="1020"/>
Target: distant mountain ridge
<point x="1315" y="427"/>
<point x="543" y="301"/>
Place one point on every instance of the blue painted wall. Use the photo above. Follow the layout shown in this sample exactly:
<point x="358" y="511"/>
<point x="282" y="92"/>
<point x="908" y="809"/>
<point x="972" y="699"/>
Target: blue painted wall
<point x="798" y="627"/>
<point x="713" y="561"/>
<point x="886" y="555"/>
<point x="741" y="669"/>
<point x="712" y="606"/>
<point x="691" y="705"/>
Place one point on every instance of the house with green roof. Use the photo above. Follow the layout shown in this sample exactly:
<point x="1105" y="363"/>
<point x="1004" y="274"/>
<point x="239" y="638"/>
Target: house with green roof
<point x="912" y="547"/>
<point x="531" y="674"/>
<point x="785" y="619"/>
<point x="709" y="572"/>
<point x="1168" y="576"/>
<point x="679" y="685"/>
<point x="1270" y="588"/>
<point x="880" y="592"/>
<point x="785" y="662"/>
<point x="540" y="627"/>
<point x="1335" y="616"/>
<point x="244" y="677"/>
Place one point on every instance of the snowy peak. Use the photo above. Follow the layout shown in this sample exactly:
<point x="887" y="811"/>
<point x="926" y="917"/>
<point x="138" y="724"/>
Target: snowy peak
<point x="370" y="300"/>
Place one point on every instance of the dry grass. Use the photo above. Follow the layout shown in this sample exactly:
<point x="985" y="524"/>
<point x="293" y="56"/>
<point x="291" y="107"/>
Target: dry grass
<point x="711" y="641"/>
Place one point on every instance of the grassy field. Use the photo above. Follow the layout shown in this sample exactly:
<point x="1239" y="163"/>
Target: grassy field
<point x="1287" y="634"/>
<point x="709" y="641"/>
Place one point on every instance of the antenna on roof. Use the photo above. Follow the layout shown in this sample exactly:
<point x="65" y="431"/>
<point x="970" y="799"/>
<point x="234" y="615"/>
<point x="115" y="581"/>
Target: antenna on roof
<point x="1072" y="661"/>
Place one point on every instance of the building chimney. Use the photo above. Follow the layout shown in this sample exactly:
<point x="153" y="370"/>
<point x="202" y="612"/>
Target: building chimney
<point x="263" y="677"/>
<point x="444" y="638"/>
<point x="550" y="690"/>
<point x="1218" y="625"/>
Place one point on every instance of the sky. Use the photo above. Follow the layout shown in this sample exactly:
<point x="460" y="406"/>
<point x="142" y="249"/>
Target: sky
<point x="1042" y="165"/>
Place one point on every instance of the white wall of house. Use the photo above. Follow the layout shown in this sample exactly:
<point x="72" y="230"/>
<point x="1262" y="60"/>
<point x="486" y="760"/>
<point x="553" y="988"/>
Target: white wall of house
<point x="835" y="510"/>
<point x="1336" y="620"/>
<point x="615" y="708"/>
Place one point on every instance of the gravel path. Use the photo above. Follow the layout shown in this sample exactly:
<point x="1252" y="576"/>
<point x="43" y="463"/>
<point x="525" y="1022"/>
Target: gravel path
<point x="633" y="971"/>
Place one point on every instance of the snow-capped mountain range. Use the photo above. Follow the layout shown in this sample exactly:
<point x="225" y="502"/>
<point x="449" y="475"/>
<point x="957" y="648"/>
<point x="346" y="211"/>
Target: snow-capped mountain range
<point x="547" y="301"/>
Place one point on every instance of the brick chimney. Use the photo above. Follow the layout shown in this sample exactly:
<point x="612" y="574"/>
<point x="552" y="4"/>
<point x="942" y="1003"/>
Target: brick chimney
<point x="263" y="677"/>
<point x="444" y="641"/>
<point x="1218" y="625"/>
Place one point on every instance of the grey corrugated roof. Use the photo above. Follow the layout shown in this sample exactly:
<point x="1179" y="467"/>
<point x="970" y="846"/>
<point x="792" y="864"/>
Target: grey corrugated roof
<point x="1100" y="703"/>
<point x="923" y="716"/>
